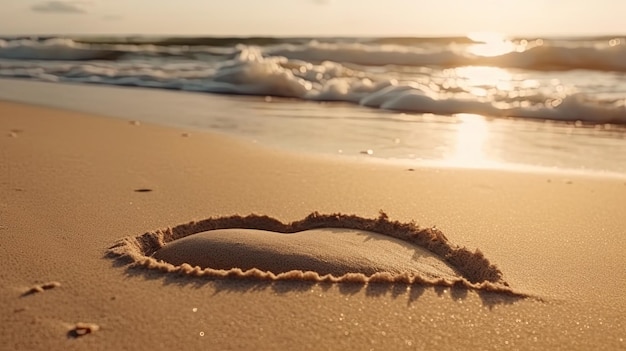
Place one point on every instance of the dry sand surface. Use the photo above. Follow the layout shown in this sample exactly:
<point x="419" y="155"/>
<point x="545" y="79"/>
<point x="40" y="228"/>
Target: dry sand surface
<point x="73" y="187"/>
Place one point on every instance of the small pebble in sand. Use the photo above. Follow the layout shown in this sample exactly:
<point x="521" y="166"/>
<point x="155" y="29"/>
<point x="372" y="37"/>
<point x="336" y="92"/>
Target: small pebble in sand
<point x="185" y="135"/>
<point x="82" y="329"/>
<point x="135" y="123"/>
<point x="12" y="134"/>
<point x="367" y="152"/>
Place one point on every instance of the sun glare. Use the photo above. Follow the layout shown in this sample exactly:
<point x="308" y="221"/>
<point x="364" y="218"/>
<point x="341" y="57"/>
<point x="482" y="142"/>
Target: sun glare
<point x="481" y="81"/>
<point x="490" y="44"/>
<point x="471" y="137"/>
<point x="485" y="77"/>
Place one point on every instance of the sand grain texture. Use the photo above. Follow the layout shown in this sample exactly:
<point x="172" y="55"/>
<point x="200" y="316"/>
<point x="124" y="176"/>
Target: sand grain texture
<point x="67" y="193"/>
<point x="324" y="251"/>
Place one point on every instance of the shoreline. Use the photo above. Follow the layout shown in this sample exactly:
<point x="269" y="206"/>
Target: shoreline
<point x="73" y="184"/>
<point x="574" y="151"/>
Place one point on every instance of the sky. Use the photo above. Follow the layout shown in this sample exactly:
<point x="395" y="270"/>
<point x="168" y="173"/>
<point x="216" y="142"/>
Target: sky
<point x="313" y="17"/>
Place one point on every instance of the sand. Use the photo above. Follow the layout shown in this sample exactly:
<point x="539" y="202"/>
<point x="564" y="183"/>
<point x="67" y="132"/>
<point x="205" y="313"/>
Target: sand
<point x="335" y="252"/>
<point x="319" y="248"/>
<point x="72" y="186"/>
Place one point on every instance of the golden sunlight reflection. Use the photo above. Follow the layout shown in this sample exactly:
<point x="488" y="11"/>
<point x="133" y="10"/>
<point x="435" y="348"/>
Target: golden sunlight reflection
<point x="490" y="44"/>
<point x="471" y="137"/>
<point x="484" y="77"/>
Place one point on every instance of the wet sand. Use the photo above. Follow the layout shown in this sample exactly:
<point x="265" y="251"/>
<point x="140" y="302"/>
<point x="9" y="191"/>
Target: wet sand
<point x="72" y="186"/>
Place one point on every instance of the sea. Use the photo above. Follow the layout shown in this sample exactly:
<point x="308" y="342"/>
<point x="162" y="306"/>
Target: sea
<point x="478" y="101"/>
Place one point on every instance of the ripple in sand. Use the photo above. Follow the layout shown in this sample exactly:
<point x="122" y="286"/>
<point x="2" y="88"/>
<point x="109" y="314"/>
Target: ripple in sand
<point x="332" y="248"/>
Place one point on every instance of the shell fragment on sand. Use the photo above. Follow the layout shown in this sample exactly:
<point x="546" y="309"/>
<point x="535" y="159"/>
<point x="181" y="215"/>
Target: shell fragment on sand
<point x="41" y="288"/>
<point x="82" y="329"/>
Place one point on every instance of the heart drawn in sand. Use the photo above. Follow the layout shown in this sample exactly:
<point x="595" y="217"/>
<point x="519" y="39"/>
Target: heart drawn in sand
<point x="331" y="248"/>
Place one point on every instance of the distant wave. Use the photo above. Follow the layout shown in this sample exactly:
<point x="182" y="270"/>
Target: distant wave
<point x="371" y="55"/>
<point x="266" y="41"/>
<point x="603" y="58"/>
<point x="54" y="49"/>
<point x="366" y="52"/>
<point x="599" y="58"/>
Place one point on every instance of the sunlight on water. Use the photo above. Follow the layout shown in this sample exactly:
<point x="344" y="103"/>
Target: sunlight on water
<point x="490" y="44"/>
<point x="478" y="78"/>
<point x="471" y="137"/>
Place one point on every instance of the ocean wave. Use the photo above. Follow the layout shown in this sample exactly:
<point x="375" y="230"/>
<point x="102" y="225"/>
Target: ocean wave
<point x="575" y="107"/>
<point x="599" y="58"/>
<point x="347" y="72"/>
<point x="54" y="49"/>
<point x="541" y="56"/>
<point x="371" y="55"/>
<point x="250" y="72"/>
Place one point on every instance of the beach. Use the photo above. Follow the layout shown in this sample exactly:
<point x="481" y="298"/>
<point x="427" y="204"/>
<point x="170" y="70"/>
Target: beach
<point x="72" y="185"/>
